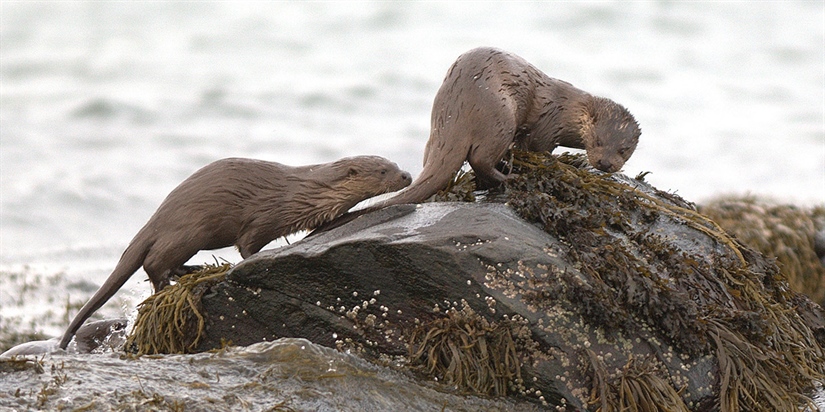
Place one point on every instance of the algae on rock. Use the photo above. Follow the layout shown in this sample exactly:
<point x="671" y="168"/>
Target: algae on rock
<point x="732" y="304"/>
<point x="468" y="351"/>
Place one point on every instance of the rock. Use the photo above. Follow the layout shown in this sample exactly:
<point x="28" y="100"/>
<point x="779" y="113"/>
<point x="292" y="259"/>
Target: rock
<point x="109" y="333"/>
<point x="420" y="265"/>
<point x="35" y="347"/>
<point x="584" y="291"/>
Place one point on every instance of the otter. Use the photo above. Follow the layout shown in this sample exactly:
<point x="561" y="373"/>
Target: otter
<point x="243" y="202"/>
<point x="492" y="100"/>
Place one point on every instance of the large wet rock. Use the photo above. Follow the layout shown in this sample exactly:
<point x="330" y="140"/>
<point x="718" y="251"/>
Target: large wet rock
<point x="584" y="291"/>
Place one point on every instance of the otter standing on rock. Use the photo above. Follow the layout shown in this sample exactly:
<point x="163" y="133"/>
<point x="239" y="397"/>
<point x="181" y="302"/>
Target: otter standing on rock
<point x="242" y="202"/>
<point x="491" y="100"/>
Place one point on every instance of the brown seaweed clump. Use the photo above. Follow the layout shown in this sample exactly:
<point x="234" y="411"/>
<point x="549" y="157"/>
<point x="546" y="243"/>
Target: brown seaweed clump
<point x="461" y="188"/>
<point x="468" y="351"/>
<point x="170" y="321"/>
<point x="639" y="386"/>
<point x="785" y="232"/>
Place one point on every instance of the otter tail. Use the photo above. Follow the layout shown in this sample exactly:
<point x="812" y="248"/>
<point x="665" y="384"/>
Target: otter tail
<point x="131" y="260"/>
<point x="437" y="173"/>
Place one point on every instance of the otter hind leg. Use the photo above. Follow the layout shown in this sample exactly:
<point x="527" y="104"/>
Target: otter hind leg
<point x="251" y="243"/>
<point x="184" y="270"/>
<point x="487" y="176"/>
<point x="164" y="262"/>
<point x="486" y="156"/>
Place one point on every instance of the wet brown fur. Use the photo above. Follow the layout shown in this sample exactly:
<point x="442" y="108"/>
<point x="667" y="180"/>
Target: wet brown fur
<point x="246" y="203"/>
<point x="491" y="100"/>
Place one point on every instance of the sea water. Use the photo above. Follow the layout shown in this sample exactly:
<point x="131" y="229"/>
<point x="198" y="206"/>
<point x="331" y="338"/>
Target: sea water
<point x="106" y="106"/>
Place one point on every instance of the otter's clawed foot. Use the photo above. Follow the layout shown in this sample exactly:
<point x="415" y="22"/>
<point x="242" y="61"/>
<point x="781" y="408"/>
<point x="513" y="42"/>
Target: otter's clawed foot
<point x="185" y="269"/>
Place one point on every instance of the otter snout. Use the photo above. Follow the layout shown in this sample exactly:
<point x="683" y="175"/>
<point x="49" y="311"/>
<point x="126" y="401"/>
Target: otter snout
<point x="606" y="166"/>
<point x="404" y="180"/>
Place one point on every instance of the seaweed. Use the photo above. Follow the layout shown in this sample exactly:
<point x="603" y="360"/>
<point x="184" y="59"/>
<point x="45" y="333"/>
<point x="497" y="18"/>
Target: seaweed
<point x="18" y="364"/>
<point x="468" y="351"/>
<point x="597" y="217"/>
<point x="170" y="321"/>
<point x="459" y="189"/>
<point x="639" y="386"/>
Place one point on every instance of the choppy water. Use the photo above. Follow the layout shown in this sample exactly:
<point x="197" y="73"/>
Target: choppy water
<point x="105" y="107"/>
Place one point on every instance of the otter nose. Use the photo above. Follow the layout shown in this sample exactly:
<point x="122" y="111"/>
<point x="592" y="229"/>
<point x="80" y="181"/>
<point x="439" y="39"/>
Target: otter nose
<point x="604" y="165"/>
<point x="406" y="176"/>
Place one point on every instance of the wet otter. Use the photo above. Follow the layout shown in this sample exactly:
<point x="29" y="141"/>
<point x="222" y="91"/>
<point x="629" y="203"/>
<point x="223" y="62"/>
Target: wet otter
<point x="491" y="100"/>
<point x="246" y="203"/>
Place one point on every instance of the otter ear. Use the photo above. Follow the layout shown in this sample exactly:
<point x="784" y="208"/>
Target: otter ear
<point x="352" y="172"/>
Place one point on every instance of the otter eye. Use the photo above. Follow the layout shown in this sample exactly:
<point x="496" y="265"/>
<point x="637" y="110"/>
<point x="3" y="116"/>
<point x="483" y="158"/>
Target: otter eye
<point x="383" y="171"/>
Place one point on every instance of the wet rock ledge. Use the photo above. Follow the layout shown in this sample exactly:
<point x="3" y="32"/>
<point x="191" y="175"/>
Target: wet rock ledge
<point x="571" y="288"/>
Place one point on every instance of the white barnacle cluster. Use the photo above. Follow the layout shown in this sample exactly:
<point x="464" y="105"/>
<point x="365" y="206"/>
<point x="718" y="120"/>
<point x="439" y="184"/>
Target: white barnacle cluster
<point x="500" y="278"/>
<point x="363" y="316"/>
<point x="491" y="304"/>
<point x="463" y="246"/>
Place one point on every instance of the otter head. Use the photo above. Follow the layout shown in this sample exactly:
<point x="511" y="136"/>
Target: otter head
<point x="610" y="134"/>
<point x="362" y="177"/>
<point x="325" y="191"/>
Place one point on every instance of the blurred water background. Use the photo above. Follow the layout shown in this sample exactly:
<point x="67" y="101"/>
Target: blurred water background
<point x="107" y="106"/>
